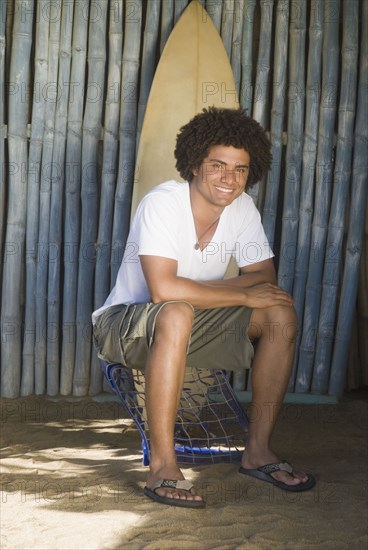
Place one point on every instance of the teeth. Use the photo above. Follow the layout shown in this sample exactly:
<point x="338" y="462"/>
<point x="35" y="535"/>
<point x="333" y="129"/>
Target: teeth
<point x="224" y="189"/>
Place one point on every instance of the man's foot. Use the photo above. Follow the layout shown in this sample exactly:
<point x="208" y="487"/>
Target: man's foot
<point x="279" y="473"/>
<point x="169" y="487"/>
<point x="181" y="490"/>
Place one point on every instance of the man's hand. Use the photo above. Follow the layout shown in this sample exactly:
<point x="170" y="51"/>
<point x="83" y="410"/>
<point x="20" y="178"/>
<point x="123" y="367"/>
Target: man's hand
<point x="267" y="295"/>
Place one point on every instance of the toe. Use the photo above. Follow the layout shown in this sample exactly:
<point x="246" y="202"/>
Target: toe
<point x="295" y="478"/>
<point x="176" y="494"/>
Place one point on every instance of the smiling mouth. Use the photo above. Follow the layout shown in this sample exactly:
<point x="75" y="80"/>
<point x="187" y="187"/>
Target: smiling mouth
<point x="225" y="190"/>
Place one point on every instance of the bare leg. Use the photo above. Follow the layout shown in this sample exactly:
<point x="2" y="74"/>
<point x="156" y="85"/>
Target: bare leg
<point x="276" y="329"/>
<point x="164" y="381"/>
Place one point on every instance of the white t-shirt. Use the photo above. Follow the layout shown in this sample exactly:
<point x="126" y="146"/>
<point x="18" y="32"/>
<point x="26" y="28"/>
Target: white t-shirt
<point x="164" y="226"/>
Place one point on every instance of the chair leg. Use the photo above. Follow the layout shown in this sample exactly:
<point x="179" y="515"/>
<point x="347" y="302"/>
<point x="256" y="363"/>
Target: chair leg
<point x="120" y="379"/>
<point x="211" y="424"/>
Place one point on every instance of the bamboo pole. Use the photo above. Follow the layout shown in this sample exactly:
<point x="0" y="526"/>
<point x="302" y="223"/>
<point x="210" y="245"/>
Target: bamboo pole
<point x="239" y="378"/>
<point x="149" y="59"/>
<point x="214" y="10"/>
<point x="244" y="82"/>
<point x="308" y="166"/>
<point x="167" y="21"/>
<point x="3" y="10"/>
<point x="128" y="123"/>
<point x="236" y="43"/>
<point x="354" y="371"/>
<point x="44" y="245"/>
<point x="90" y="194"/>
<point x="342" y="175"/>
<point x="72" y="193"/>
<point x="363" y="305"/>
<point x="277" y="118"/>
<point x="11" y="6"/>
<point x="246" y="89"/>
<point x="33" y="190"/>
<point x="246" y="101"/>
<point x="227" y="24"/>
<point x="179" y="7"/>
<point x="108" y="178"/>
<point x="12" y="284"/>
<point x="322" y="194"/>
<point x="262" y="92"/>
<point x="355" y="238"/>
<point x="362" y="313"/>
<point x="54" y="330"/>
<point x="294" y="148"/>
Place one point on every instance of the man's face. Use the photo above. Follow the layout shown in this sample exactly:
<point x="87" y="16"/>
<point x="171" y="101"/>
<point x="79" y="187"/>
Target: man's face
<point x="222" y="176"/>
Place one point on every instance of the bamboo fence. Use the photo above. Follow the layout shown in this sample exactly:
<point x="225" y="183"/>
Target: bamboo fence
<point x="109" y="169"/>
<point x="54" y="327"/>
<point x="246" y="55"/>
<point x="261" y="95"/>
<point x="148" y="62"/>
<point x="3" y="9"/>
<point x="75" y="77"/>
<point x="313" y="86"/>
<point x="277" y="119"/>
<point x="33" y="199"/>
<point x="45" y="247"/>
<point x="294" y="148"/>
<point x="323" y="190"/>
<point x="127" y="133"/>
<point x="72" y="193"/>
<point x="357" y="212"/>
<point x="17" y="149"/>
<point x="342" y="175"/>
<point x="92" y="124"/>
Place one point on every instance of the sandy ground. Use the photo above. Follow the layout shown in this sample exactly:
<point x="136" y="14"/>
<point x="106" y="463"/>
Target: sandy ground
<point x="72" y="478"/>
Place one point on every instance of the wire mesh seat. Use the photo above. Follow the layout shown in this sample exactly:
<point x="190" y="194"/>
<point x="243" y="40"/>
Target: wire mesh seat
<point x="211" y="425"/>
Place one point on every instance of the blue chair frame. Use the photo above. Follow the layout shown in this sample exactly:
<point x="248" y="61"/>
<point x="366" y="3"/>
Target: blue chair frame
<point x="211" y="425"/>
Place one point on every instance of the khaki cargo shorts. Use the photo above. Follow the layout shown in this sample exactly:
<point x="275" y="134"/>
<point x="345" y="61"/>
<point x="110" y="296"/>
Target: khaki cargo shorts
<point x="219" y="339"/>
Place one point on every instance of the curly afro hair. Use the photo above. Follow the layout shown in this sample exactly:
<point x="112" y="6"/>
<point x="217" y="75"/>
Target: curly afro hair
<point x="229" y="127"/>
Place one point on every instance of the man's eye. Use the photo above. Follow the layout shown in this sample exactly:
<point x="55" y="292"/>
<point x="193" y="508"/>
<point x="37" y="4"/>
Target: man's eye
<point x="216" y="166"/>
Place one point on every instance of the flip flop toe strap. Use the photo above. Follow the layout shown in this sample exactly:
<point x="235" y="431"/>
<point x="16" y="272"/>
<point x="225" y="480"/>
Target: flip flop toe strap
<point x="173" y="484"/>
<point x="270" y="468"/>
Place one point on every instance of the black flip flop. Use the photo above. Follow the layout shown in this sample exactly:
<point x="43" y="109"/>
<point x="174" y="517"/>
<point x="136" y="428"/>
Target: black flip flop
<point x="181" y="484"/>
<point x="264" y="474"/>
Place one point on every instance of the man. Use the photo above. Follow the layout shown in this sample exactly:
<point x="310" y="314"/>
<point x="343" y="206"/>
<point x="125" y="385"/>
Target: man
<point x="170" y="289"/>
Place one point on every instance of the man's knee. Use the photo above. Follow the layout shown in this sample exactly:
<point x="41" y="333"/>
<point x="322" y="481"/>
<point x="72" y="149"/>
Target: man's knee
<point x="175" y="316"/>
<point x="274" y="321"/>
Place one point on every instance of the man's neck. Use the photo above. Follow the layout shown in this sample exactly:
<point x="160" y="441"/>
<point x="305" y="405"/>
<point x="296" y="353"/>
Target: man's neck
<point x="203" y="212"/>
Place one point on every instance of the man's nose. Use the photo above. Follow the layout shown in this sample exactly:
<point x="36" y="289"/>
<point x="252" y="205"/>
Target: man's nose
<point x="229" y="176"/>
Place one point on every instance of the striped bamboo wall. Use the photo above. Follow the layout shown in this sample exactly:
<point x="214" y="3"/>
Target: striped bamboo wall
<point x="74" y="81"/>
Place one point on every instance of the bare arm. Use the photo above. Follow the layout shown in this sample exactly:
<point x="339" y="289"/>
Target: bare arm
<point x="254" y="274"/>
<point x="165" y="285"/>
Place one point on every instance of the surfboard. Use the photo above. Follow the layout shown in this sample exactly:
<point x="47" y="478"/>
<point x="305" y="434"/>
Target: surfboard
<point x="193" y="72"/>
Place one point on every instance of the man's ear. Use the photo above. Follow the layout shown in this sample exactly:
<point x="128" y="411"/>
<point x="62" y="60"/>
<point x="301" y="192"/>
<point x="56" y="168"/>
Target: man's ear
<point x="195" y="171"/>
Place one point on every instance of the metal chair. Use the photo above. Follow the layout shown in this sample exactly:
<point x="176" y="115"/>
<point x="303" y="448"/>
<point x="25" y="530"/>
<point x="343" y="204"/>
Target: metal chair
<point x="211" y="425"/>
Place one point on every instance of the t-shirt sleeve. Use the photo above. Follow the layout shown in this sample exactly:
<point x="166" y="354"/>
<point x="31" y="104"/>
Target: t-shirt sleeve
<point x="252" y="243"/>
<point x="156" y="227"/>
